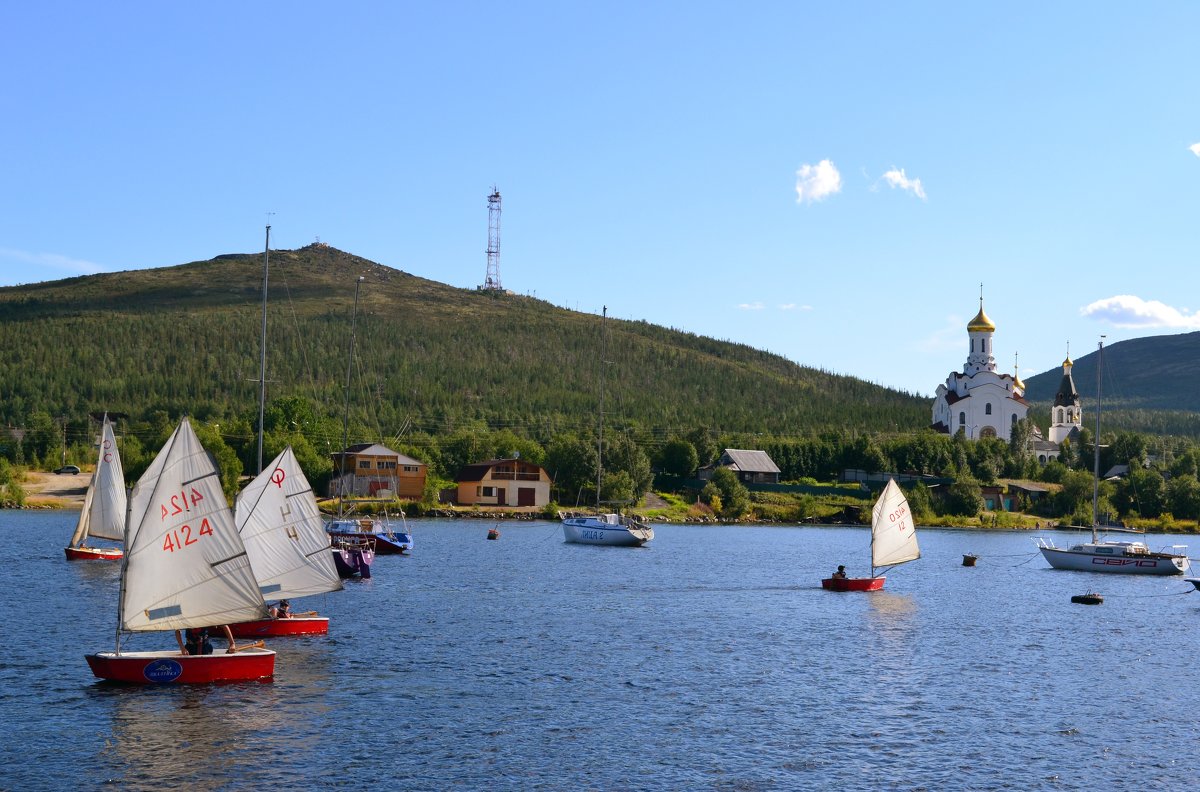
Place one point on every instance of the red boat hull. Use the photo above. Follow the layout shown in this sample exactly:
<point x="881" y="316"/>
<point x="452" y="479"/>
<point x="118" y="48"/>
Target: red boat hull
<point x="853" y="584"/>
<point x="170" y="667"/>
<point x="94" y="553"/>
<point x="273" y="628"/>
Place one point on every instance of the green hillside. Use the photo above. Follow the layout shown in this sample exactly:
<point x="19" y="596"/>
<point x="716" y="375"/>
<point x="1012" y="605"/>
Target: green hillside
<point x="1150" y="385"/>
<point x="431" y="358"/>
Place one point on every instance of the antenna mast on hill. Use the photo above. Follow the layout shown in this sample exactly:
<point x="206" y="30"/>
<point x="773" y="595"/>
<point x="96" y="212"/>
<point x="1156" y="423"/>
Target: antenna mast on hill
<point x="492" y="282"/>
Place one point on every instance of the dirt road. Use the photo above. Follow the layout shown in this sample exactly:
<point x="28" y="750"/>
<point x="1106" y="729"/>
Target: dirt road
<point x="64" y="491"/>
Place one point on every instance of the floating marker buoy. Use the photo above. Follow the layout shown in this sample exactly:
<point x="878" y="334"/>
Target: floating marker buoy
<point x="493" y="533"/>
<point x="1087" y="599"/>
<point x="969" y="559"/>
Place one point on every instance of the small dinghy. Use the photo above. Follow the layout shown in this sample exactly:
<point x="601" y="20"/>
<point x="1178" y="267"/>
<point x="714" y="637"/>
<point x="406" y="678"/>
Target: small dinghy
<point x="1088" y="599"/>
<point x="493" y="533"/>
<point x="893" y="541"/>
<point x="969" y="559"/>
<point x="1194" y="581"/>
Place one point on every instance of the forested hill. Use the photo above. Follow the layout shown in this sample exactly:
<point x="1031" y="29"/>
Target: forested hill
<point x="430" y="357"/>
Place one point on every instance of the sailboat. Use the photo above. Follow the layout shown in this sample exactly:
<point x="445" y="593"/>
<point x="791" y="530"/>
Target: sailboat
<point x="281" y="526"/>
<point x="893" y="541"/>
<point x="103" y="514"/>
<point x="356" y="540"/>
<point x="613" y="529"/>
<point x="185" y="567"/>
<point x="1130" y="558"/>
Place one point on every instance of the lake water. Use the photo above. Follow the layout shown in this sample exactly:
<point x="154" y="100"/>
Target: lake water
<point x="711" y="659"/>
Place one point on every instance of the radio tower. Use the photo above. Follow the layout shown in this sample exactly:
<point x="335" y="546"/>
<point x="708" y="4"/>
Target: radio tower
<point x="492" y="282"/>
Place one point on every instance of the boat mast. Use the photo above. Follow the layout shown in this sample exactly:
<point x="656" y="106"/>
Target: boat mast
<point x="600" y="434"/>
<point x="1096" y="444"/>
<point x="346" y="409"/>
<point x="262" y="353"/>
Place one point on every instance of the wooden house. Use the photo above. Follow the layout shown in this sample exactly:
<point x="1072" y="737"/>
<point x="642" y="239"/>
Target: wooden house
<point x="373" y="470"/>
<point x="751" y="467"/>
<point x="503" y="482"/>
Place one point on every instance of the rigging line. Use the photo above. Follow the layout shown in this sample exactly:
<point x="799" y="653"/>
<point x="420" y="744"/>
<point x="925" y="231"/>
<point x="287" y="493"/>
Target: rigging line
<point x="1148" y="596"/>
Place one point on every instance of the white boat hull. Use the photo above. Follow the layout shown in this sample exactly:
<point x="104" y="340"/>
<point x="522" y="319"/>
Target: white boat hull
<point x="602" y="530"/>
<point x="1084" y="561"/>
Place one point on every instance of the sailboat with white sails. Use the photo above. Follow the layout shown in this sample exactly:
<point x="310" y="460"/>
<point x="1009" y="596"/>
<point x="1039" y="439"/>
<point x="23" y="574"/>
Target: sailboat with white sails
<point x="282" y="528"/>
<point x="614" y="529"/>
<point x="1129" y="558"/>
<point x="184" y="567"/>
<point x="103" y="514"/>
<point x="893" y="541"/>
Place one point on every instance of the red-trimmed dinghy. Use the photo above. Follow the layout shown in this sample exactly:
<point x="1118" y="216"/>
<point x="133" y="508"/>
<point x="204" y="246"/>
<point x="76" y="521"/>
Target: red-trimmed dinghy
<point x="185" y="566"/>
<point x="853" y="584"/>
<point x="93" y="553"/>
<point x="284" y="533"/>
<point x="274" y="628"/>
<point x="169" y="667"/>
<point x="103" y="513"/>
<point x="893" y="541"/>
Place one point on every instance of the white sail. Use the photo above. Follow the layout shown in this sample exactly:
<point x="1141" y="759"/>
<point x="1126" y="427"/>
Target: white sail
<point x="103" y="512"/>
<point x="284" y="533"/>
<point x="893" y="533"/>
<point x="185" y="565"/>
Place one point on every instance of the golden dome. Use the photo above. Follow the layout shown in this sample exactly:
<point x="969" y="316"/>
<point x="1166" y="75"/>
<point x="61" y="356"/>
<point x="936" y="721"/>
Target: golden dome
<point x="1067" y="363"/>
<point x="1017" y="384"/>
<point x="981" y="323"/>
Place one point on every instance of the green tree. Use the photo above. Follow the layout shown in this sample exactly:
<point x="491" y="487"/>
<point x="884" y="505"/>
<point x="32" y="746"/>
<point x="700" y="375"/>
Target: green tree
<point x="735" y="498"/>
<point x="678" y="457"/>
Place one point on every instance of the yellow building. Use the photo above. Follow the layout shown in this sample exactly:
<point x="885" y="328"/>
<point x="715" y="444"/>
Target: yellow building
<point x="503" y="482"/>
<point x="377" y="471"/>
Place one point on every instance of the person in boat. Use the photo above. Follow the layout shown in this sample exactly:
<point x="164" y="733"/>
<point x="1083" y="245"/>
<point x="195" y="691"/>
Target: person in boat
<point x="840" y="574"/>
<point x="283" y="610"/>
<point x="198" y="642"/>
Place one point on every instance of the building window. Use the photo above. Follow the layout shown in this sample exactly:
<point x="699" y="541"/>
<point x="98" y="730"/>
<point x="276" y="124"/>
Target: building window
<point x="489" y="492"/>
<point x="987" y="409"/>
<point x="962" y="419"/>
<point x="364" y="464"/>
<point x="1014" y="420"/>
<point x="412" y="469"/>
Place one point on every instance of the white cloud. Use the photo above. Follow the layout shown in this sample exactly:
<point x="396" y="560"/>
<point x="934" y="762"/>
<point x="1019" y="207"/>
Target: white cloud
<point x="1195" y="149"/>
<point x="897" y="178"/>
<point x="754" y="306"/>
<point x="52" y="261"/>
<point x="817" y="182"/>
<point x="1126" y="310"/>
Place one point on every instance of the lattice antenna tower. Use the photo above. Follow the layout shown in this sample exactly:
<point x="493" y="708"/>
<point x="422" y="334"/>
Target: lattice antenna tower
<point x="493" y="249"/>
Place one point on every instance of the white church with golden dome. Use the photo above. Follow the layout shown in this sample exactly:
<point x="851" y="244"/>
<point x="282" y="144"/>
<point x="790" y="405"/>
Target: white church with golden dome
<point x="978" y="401"/>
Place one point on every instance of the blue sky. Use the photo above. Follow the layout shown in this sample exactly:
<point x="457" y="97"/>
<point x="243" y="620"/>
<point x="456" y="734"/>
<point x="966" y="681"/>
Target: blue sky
<point x="831" y="182"/>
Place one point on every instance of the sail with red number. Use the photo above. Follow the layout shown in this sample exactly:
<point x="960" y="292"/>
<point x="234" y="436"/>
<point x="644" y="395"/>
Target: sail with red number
<point x="284" y="534"/>
<point x="893" y="541"/>
<point x="893" y="534"/>
<point x="103" y="514"/>
<point x="185" y="567"/>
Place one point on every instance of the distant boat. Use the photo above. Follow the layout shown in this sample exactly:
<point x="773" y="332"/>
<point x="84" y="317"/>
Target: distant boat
<point x="103" y="514"/>
<point x="893" y="541"/>
<point x="185" y="567"/>
<point x="1129" y="558"/>
<point x="612" y="529"/>
<point x="284" y="534"/>
<point x="356" y="540"/>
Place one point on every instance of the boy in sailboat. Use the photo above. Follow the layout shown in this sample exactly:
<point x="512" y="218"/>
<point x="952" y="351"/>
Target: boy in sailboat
<point x="840" y="574"/>
<point x="197" y="642"/>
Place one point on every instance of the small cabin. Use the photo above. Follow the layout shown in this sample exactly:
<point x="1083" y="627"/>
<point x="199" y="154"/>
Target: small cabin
<point x="503" y="482"/>
<point x="751" y="467"/>
<point x="373" y="470"/>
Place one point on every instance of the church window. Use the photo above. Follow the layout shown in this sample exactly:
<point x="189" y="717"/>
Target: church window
<point x="972" y="346"/>
<point x="1014" y="419"/>
<point x="987" y="409"/>
<point x="1058" y="415"/>
<point x="962" y="419"/>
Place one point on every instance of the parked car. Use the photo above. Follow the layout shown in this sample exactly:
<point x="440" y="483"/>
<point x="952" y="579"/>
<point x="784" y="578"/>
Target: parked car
<point x="67" y="469"/>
